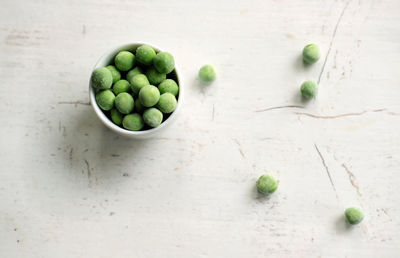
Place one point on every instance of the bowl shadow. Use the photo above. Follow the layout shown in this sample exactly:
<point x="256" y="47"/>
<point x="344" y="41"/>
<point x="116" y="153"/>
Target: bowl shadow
<point x="90" y="151"/>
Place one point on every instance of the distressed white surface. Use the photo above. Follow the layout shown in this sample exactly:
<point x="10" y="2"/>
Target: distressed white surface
<point x="71" y="188"/>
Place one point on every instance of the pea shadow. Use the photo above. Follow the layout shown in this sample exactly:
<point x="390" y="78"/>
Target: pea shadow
<point x="260" y="197"/>
<point x="299" y="64"/>
<point x="202" y="87"/>
<point x="300" y="100"/>
<point x="341" y="225"/>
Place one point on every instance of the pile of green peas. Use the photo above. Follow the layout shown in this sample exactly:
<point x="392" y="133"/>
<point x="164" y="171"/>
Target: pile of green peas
<point x="139" y="90"/>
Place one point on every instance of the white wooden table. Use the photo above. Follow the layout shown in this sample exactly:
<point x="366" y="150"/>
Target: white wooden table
<point x="69" y="187"/>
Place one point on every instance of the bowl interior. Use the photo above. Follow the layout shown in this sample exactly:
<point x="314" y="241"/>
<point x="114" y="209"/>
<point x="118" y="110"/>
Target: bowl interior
<point x="107" y="59"/>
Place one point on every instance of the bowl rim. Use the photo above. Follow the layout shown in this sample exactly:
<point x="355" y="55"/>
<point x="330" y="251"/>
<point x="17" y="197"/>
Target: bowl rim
<point x="108" y="121"/>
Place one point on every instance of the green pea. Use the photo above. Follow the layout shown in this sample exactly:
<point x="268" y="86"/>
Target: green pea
<point x="116" y="116"/>
<point x="124" y="103"/>
<point x="105" y="99"/>
<point x="124" y="60"/>
<point x="116" y="75"/>
<point x="138" y="82"/>
<point x="207" y="73"/>
<point x="133" y="122"/>
<point x="354" y="215"/>
<point x="135" y="71"/>
<point x="152" y="117"/>
<point x="149" y="95"/>
<point x="139" y="108"/>
<point x="145" y="54"/>
<point x="266" y="184"/>
<point x="170" y="86"/>
<point x="121" y="86"/>
<point x="164" y="62"/>
<point x="167" y="103"/>
<point x="101" y="78"/>
<point x="154" y="76"/>
<point x="309" y="89"/>
<point x="311" y="53"/>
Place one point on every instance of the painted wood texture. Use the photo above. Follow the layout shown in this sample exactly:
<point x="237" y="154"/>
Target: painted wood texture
<point x="69" y="187"/>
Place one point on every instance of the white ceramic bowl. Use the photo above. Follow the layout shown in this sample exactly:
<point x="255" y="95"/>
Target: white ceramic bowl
<point x="105" y="60"/>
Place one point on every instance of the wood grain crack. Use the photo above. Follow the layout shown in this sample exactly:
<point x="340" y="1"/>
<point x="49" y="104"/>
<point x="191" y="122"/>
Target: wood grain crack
<point x="393" y="113"/>
<point x="239" y="147"/>
<point x="352" y="179"/>
<point x="213" y="112"/>
<point x="278" y="107"/>
<point x="89" y="173"/>
<point x="340" y="115"/>
<point x="326" y="169"/>
<point x="71" y="153"/>
<point x="331" y="42"/>
<point x="74" y="103"/>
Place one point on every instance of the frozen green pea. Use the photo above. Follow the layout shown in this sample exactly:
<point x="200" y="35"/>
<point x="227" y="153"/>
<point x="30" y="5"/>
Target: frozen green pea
<point x="139" y="108"/>
<point x="138" y="82"/>
<point x="145" y="54"/>
<point x="170" y="86"/>
<point x="124" y="60"/>
<point x="101" y="78"/>
<point x="135" y="71"/>
<point x="105" y="99"/>
<point x="133" y="122"/>
<point x="354" y="215"/>
<point x="121" y="86"/>
<point x="149" y="95"/>
<point x="311" y="53"/>
<point x="164" y="62"/>
<point x="116" y="75"/>
<point x="167" y="103"/>
<point x="124" y="103"/>
<point x="207" y="73"/>
<point x="154" y="76"/>
<point x="152" y="117"/>
<point x="116" y="116"/>
<point x="266" y="184"/>
<point x="309" y="89"/>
